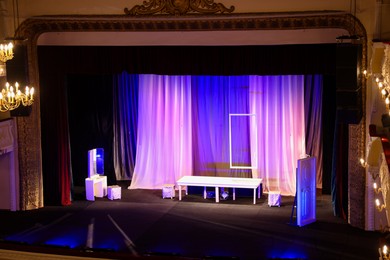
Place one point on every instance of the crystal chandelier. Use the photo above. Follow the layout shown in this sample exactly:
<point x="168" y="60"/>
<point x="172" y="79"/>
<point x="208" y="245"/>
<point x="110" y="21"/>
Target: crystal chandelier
<point x="11" y="98"/>
<point x="6" y="52"/>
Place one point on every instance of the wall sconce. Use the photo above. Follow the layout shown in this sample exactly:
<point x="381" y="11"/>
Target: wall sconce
<point x="379" y="207"/>
<point x="376" y="189"/>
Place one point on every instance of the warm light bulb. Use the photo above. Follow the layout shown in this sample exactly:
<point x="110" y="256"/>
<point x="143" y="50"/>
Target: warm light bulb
<point x="380" y="84"/>
<point x="375" y="186"/>
<point x="377" y="202"/>
<point x="383" y="92"/>
<point x="365" y="72"/>
<point x="376" y="79"/>
<point x="385" y="250"/>
<point x="387" y="101"/>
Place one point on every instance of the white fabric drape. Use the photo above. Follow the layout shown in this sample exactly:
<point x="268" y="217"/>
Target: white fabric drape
<point x="164" y="148"/>
<point x="278" y="102"/>
<point x="166" y="122"/>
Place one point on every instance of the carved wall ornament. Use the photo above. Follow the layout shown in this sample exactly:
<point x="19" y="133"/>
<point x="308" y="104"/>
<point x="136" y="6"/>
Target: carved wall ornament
<point x="178" y="7"/>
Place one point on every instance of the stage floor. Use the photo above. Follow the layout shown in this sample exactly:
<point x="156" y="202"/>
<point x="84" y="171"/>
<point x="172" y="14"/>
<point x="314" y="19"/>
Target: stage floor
<point x="144" y="224"/>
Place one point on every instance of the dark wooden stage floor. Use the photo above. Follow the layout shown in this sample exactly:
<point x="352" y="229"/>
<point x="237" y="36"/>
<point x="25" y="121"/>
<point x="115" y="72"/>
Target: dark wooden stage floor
<point x="144" y="225"/>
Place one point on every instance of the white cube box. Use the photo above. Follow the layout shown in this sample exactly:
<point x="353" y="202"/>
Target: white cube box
<point x="274" y="199"/>
<point x="114" y="192"/>
<point x="168" y="191"/>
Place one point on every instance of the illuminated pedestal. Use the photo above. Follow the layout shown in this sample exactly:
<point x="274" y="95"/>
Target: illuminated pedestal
<point x="114" y="192"/>
<point x="168" y="191"/>
<point x="274" y="199"/>
<point x="96" y="186"/>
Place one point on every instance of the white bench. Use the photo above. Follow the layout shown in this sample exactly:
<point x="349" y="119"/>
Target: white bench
<point x="220" y="182"/>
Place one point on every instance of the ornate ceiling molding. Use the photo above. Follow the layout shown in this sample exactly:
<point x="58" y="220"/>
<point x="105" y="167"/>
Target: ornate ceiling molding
<point x="178" y="7"/>
<point x="33" y="27"/>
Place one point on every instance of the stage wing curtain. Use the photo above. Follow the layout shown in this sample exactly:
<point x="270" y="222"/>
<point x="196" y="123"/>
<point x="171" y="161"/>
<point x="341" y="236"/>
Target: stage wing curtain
<point x="56" y="137"/>
<point x="278" y="102"/>
<point x="125" y="124"/>
<point x="313" y="121"/>
<point x="213" y="99"/>
<point x="164" y="147"/>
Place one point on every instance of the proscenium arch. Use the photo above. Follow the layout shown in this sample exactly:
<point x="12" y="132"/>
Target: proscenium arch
<point x="29" y="128"/>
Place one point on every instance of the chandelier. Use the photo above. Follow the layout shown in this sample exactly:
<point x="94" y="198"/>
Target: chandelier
<point x="6" y="52"/>
<point x="11" y="98"/>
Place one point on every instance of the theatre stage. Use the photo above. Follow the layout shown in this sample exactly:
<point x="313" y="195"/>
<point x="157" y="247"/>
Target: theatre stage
<point x="145" y="225"/>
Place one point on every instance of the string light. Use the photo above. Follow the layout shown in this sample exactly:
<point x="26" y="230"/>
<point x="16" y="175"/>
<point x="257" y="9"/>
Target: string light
<point x="384" y="253"/>
<point x="379" y="206"/>
<point x="362" y="162"/>
<point x="376" y="189"/>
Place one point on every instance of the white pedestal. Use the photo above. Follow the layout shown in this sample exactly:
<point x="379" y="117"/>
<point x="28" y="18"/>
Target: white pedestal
<point x="168" y="191"/>
<point x="96" y="187"/>
<point x="114" y="192"/>
<point x="274" y="199"/>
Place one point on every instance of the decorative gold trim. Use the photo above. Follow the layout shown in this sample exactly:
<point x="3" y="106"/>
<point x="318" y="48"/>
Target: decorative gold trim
<point x="178" y="7"/>
<point x="33" y="27"/>
<point x="29" y="128"/>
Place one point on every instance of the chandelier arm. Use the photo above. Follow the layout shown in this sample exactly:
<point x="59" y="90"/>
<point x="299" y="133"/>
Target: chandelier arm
<point x="11" y="100"/>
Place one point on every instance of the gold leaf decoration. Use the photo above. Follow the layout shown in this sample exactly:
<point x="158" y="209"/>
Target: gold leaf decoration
<point x="178" y="7"/>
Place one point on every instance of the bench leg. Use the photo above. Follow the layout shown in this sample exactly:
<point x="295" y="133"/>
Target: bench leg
<point x="204" y="192"/>
<point x="216" y="194"/>
<point x="179" y="192"/>
<point x="234" y="193"/>
<point x="254" y="196"/>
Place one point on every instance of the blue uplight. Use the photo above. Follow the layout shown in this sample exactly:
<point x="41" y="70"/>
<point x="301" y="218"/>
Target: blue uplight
<point x="70" y="240"/>
<point x="288" y="254"/>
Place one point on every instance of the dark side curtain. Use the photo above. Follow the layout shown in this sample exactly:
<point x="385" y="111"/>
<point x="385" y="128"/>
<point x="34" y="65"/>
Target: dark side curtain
<point x="125" y="124"/>
<point x="339" y="175"/>
<point x="90" y="109"/>
<point x="313" y="122"/>
<point x="57" y="177"/>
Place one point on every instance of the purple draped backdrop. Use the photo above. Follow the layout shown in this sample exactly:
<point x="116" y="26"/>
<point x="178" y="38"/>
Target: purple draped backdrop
<point x="183" y="128"/>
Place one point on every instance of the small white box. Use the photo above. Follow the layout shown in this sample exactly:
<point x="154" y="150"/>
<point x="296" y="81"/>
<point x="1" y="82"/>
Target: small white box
<point x="274" y="199"/>
<point x="114" y="192"/>
<point x="168" y="191"/>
